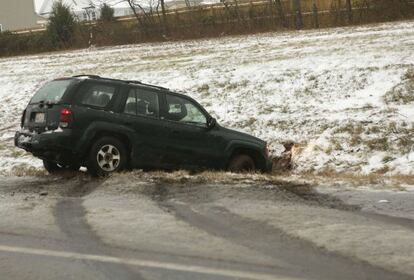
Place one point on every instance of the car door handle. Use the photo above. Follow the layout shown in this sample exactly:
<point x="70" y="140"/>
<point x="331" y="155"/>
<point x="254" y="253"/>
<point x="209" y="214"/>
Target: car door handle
<point x="175" y="132"/>
<point x="127" y="123"/>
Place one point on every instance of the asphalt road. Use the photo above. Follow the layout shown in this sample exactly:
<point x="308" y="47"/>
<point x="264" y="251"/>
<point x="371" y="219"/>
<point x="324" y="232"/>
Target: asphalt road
<point x="77" y="227"/>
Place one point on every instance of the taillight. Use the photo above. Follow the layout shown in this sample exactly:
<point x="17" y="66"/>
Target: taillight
<point x="267" y="150"/>
<point x="22" y="120"/>
<point x="66" y="118"/>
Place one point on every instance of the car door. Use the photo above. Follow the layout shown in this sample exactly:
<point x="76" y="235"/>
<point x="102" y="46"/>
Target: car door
<point x="190" y="142"/>
<point x="92" y="104"/>
<point x="141" y="113"/>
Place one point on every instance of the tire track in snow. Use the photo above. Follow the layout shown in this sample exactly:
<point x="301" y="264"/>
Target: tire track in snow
<point x="305" y="258"/>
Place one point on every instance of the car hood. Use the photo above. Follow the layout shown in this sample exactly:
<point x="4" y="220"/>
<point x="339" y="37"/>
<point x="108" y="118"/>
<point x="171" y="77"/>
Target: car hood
<point x="231" y="134"/>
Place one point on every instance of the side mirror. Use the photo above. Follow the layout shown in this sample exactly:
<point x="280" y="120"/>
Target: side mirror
<point x="211" y="123"/>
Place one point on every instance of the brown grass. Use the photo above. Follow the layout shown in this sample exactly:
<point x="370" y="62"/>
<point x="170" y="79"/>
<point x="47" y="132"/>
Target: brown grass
<point x="24" y="170"/>
<point x="403" y="92"/>
<point x="333" y="178"/>
<point x="378" y="144"/>
<point x="276" y="179"/>
<point x="207" y="177"/>
<point x="203" y="22"/>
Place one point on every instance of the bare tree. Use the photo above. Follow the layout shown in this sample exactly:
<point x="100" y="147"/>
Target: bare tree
<point x="232" y="11"/>
<point x="226" y="8"/>
<point x="240" y="17"/>
<point x="188" y="3"/>
<point x="136" y="7"/>
<point x="154" y="8"/>
<point x="145" y="16"/>
<point x="164" y="17"/>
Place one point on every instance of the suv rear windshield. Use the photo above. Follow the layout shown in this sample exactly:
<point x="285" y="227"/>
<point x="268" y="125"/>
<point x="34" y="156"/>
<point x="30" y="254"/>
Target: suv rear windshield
<point x="52" y="92"/>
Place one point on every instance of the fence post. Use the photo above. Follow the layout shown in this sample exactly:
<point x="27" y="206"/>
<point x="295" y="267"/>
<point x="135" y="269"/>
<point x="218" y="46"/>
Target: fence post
<point x="404" y="8"/>
<point x="281" y="13"/>
<point x="349" y="10"/>
<point x="315" y="15"/>
<point x="298" y="14"/>
<point x="271" y="12"/>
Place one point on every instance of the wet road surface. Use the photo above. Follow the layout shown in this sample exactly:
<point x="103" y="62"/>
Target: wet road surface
<point x="118" y="228"/>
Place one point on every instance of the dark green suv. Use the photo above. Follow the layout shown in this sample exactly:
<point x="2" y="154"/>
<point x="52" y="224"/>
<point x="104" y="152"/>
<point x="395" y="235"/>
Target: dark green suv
<point x="108" y="125"/>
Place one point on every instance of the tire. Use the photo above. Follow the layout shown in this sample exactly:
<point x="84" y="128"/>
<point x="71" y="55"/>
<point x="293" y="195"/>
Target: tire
<point x="53" y="167"/>
<point x="241" y="163"/>
<point x="107" y="155"/>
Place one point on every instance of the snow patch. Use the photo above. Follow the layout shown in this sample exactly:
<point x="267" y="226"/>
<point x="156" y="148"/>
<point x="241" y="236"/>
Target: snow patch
<point x="343" y="94"/>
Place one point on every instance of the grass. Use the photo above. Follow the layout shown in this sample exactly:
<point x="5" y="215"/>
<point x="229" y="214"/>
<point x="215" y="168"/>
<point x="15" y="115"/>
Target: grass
<point x="378" y="144"/>
<point x="382" y="170"/>
<point x="355" y="139"/>
<point x="336" y="144"/>
<point x="374" y="129"/>
<point x="347" y="128"/>
<point x="276" y="178"/>
<point x="332" y="178"/>
<point x="402" y="93"/>
<point x="207" y="177"/>
<point x="406" y="143"/>
<point x="379" y="136"/>
<point x="354" y="130"/>
<point x="203" y="88"/>
<point x="409" y="75"/>
<point x="282" y="179"/>
<point x="24" y="170"/>
<point x="248" y="123"/>
<point x="284" y="109"/>
<point x="17" y="153"/>
<point x="387" y="159"/>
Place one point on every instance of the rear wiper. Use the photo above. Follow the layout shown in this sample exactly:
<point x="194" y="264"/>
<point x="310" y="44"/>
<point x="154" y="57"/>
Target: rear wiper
<point x="41" y="103"/>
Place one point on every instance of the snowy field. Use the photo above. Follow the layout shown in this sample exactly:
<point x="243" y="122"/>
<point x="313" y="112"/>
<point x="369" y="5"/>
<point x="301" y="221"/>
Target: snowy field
<point x="345" y="95"/>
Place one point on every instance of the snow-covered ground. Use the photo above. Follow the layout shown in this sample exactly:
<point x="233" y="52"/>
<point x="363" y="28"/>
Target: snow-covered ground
<point x="345" y="94"/>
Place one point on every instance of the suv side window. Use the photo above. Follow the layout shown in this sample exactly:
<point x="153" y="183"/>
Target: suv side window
<point x="183" y="110"/>
<point x="96" y="94"/>
<point x="142" y="102"/>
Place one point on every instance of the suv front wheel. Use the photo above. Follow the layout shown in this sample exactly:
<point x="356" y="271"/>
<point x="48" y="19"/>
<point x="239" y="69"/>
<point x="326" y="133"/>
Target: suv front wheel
<point x="106" y="156"/>
<point x="241" y="163"/>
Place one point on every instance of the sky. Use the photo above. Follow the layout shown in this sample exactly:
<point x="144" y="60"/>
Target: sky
<point x="81" y="3"/>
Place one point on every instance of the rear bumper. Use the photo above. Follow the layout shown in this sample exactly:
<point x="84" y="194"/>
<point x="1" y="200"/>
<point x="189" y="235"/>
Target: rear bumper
<point x="53" y="145"/>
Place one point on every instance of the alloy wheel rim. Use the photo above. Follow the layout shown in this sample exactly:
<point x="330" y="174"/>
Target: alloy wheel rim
<point x="108" y="158"/>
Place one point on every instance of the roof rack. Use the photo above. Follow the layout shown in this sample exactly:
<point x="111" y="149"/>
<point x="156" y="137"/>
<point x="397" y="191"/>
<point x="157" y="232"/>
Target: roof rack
<point x="132" y="82"/>
<point x="118" y="80"/>
<point x="90" y="76"/>
<point x="144" y="84"/>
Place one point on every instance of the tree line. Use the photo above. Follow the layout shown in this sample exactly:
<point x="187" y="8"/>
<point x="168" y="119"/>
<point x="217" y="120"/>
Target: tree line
<point x="154" y="22"/>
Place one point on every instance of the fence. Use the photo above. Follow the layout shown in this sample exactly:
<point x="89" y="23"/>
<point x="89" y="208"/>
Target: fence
<point x="244" y="16"/>
<point x="228" y="17"/>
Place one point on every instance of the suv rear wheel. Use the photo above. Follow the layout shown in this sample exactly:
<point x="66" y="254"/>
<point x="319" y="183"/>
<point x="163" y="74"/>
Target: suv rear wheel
<point x="241" y="163"/>
<point x="53" y="167"/>
<point x="106" y="156"/>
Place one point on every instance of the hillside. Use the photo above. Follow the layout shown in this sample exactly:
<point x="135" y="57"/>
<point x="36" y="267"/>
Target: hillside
<point x="345" y="95"/>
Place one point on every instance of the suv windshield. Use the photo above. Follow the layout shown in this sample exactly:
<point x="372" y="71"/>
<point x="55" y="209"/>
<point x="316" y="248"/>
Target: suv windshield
<point x="51" y="92"/>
